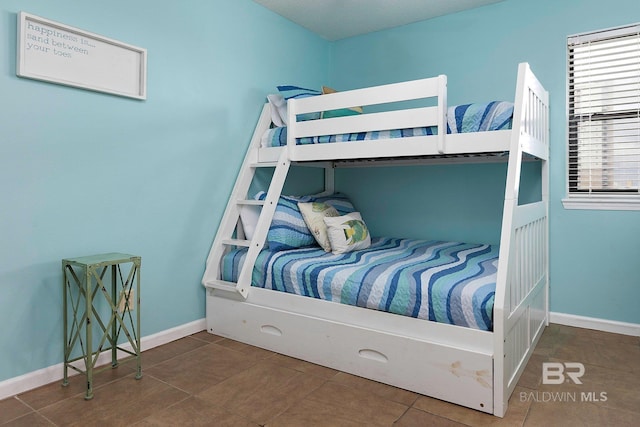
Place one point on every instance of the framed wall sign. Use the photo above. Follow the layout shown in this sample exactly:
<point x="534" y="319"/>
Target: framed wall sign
<point x="57" y="53"/>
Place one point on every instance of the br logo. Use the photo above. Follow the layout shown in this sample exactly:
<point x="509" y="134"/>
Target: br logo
<point x="554" y="372"/>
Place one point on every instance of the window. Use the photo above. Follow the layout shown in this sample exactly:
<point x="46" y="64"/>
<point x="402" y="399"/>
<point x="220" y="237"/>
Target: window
<point x="604" y="119"/>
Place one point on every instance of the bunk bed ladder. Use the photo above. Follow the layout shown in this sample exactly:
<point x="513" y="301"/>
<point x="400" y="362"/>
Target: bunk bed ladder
<point x="230" y="235"/>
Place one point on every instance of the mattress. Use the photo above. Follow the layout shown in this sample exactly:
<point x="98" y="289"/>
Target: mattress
<point x="478" y="117"/>
<point x="448" y="282"/>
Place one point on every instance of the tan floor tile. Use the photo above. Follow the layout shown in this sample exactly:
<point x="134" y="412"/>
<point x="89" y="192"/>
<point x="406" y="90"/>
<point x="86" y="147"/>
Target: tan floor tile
<point x="262" y="391"/>
<point x="384" y="391"/>
<point x="516" y="412"/>
<point x="579" y="414"/>
<point x="12" y="408"/>
<point x="554" y="337"/>
<point x="31" y="420"/>
<point x="359" y="405"/>
<point x="54" y="392"/>
<point x="414" y="417"/>
<point x="195" y="412"/>
<point x="118" y="403"/>
<point x="256" y="353"/>
<point x="206" y="336"/>
<point x="623" y="357"/>
<point x="167" y="351"/>
<point x="303" y="366"/>
<point x="201" y="368"/>
<point x="600" y="337"/>
<point x="532" y="374"/>
<point x="310" y="413"/>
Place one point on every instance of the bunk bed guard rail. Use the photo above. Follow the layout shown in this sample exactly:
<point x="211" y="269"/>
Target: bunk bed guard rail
<point x="433" y="116"/>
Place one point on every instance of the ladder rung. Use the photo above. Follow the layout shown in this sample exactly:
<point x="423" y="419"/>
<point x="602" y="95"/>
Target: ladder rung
<point x="236" y="242"/>
<point x="252" y="202"/>
<point x="222" y="284"/>
<point x="227" y="287"/>
<point x="264" y="164"/>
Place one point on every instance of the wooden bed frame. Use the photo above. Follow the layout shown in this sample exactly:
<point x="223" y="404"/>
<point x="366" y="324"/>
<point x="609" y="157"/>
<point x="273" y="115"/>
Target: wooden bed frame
<point x="473" y="368"/>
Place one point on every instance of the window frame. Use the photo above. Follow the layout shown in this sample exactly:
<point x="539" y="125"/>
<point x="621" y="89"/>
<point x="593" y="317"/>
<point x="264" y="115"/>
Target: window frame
<point x="598" y="199"/>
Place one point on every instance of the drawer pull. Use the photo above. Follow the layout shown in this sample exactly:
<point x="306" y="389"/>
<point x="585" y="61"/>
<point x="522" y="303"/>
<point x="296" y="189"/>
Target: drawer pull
<point x="271" y="330"/>
<point x="373" y="355"/>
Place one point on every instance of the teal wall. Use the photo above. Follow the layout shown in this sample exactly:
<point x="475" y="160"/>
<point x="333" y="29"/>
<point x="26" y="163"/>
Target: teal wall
<point x="83" y="172"/>
<point x="441" y="202"/>
<point x="594" y="254"/>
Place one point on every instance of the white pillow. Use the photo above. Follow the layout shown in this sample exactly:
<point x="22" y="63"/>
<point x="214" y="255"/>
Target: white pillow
<point x="249" y="215"/>
<point x="347" y="233"/>
<point x="278" y="109"/>
<point x="314" y="214"/>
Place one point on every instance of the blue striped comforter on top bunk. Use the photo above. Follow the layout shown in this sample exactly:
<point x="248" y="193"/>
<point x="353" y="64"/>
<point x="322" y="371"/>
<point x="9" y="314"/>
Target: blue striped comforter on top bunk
<point x="479" y="117"/>
<point x="445" y="282"/>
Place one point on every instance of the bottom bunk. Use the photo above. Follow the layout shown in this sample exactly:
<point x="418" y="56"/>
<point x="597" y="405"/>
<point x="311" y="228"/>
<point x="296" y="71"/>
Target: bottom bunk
<point x="447" y="282"/>
<point x="445" y="319"/>
<point x="419" y="315"/>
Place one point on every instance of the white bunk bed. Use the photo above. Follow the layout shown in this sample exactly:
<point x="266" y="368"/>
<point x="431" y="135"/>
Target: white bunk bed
<point x="474" y="368"/>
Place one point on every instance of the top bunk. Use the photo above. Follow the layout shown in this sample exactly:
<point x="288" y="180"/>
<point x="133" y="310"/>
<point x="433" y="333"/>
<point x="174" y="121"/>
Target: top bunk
<point x="415" y="133"/>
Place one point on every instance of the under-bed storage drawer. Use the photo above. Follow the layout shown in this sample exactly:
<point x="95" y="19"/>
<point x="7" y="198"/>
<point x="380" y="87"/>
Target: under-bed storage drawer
<point x="441" y="371"/>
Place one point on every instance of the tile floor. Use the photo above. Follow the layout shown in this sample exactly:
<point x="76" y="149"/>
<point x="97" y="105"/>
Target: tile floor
<point x="206" y="380"/>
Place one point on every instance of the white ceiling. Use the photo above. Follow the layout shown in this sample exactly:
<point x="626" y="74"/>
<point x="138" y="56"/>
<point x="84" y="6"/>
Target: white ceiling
<point x="338" y="19"/>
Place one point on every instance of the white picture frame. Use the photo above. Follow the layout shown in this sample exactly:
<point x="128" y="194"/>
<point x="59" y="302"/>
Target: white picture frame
<point x="58" y="53"/>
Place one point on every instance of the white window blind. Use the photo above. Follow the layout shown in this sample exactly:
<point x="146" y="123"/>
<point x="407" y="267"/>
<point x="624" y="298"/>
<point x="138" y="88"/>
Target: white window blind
<point x="604" y="112"/>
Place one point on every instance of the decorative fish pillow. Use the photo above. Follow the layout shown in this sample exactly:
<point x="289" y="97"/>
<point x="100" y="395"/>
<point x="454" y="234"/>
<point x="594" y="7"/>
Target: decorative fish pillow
<point x="347" y="233"/>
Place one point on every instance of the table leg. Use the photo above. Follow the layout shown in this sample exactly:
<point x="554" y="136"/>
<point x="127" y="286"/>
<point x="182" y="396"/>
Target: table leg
<point x="65" y="378"/>
<point x="88" y="329"/>
<point x="116" y="301"/>
<point x="138" y="349"/>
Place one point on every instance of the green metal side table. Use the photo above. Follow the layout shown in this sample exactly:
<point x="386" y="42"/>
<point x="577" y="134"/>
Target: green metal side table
<point x="100" y="319"/>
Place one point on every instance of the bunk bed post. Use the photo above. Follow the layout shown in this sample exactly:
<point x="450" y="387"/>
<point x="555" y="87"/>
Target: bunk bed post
<point x="442" y="113"/>
<point x="521" y="298"/>
<point x="545" y="199"/>
<point x="292" y="118"/>
<point x="507" y="251"/>
<point x="329" y="179"/>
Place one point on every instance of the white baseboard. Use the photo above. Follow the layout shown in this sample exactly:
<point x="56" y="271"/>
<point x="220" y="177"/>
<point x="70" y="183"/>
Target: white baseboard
<point x="43" y="376"/>
<point x="604" y="325"/>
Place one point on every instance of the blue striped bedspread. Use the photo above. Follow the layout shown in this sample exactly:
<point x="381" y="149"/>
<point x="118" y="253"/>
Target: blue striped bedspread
<point x="478" y="117"/>
<point x="445" y="282"/>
